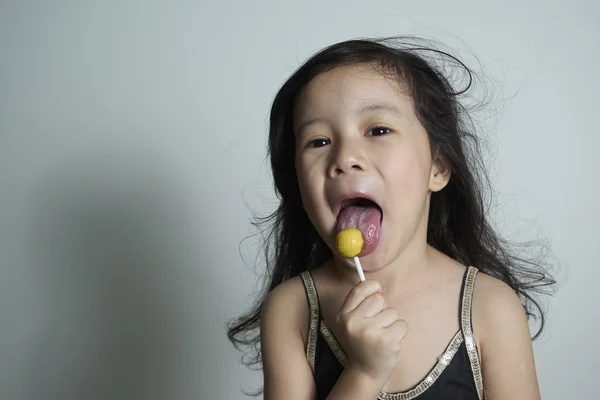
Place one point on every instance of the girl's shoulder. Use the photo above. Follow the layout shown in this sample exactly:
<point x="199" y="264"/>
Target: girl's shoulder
<point x="502" y="333"/>
<point x="497" y="312"/>
<point x="285" y="307"/>
<point x="493" y="298"/>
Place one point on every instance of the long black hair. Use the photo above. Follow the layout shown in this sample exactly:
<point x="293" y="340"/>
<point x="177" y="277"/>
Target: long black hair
<point x="458" y="222"/>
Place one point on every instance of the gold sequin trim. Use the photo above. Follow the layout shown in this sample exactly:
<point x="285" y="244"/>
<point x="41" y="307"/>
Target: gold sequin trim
<point x="467" y="329"/>
<point x="435" y="373"/>
<point x="333" y="344"/>
<point x="311" y="342"/>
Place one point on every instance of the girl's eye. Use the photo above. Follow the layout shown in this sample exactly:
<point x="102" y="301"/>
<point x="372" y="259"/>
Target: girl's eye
<point x="378" y="131"/>
<point x="319" y="142"/>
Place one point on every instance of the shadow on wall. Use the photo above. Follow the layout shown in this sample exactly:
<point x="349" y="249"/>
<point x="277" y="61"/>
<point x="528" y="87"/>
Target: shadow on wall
<point x="113" y="273"/>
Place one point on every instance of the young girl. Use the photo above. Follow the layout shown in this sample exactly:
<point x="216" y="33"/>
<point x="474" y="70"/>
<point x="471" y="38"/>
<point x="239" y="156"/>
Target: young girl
<point x="368" y="134"/>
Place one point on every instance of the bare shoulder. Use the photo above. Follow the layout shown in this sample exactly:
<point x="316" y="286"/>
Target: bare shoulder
<point x="283" y="326"/>
<point x="494" y="303"/>
<point x="286" y="308"/>
<point x="502" y="332"/>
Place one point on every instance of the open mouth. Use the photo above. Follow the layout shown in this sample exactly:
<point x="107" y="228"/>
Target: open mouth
<point x="363" y="214"/>
<point x="361" y="202"/>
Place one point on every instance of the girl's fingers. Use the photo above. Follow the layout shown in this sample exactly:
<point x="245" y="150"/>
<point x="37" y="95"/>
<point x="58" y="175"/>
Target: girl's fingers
<point x="359" y="293"/>
<point x="385" y="318"/>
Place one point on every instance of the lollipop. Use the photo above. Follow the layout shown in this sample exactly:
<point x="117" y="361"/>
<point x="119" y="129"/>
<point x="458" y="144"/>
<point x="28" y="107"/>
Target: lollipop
<point x="349" y="243"/>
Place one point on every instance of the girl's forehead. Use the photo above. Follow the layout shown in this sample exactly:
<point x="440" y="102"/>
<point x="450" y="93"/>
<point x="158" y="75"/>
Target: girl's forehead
<point x="349" y="88"/>
<point x="350" y="81"/>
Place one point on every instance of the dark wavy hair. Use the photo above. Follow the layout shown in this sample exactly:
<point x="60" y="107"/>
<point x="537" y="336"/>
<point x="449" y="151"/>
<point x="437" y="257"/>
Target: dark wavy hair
<point x="458" y="222"/>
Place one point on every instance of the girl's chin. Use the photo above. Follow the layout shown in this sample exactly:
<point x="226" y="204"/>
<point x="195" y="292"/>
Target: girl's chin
<point x="369" y="263"/>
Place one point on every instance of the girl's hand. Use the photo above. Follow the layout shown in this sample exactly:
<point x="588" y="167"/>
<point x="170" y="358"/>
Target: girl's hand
<point x="371" y="331"/>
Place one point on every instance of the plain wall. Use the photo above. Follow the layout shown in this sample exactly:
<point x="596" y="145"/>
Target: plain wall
<point x="132" y="147"/>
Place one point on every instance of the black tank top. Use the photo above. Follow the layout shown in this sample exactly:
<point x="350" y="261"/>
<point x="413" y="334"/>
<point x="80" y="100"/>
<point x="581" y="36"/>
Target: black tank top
<point x="456" y="376"/>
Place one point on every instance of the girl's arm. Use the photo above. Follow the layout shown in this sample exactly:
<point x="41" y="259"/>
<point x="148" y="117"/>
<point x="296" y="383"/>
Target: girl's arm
<point x="287" y="374"/>
<point x="501" y="326"/>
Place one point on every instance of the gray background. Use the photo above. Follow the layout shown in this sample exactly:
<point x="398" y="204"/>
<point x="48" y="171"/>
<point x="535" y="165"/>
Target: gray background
<point x="132" y="145"/>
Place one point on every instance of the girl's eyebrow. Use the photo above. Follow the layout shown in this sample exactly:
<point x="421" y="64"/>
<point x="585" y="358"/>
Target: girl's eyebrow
<point x="310" y="122"/>
<point x="380" y="107"/>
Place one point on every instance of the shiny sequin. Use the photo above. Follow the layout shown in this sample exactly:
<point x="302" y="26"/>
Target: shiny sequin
<point x="311" y="342"/>
<point x="470" y="343"/>
<point x="333" y="344"/>
<point x="467" y="329"/>
<point x="446" y="358"/>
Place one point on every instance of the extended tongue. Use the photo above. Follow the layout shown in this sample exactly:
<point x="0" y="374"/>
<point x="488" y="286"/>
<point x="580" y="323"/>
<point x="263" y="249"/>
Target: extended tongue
<point x="365" y="218"/>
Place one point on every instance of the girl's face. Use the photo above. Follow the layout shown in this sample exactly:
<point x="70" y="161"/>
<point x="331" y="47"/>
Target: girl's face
<point x="357" y="135"/>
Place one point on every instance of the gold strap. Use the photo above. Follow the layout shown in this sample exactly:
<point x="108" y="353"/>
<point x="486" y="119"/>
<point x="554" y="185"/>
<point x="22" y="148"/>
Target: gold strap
<point x="333" y="344"/>
<point x="467" y="328"/>
<point x="313" y="327"/>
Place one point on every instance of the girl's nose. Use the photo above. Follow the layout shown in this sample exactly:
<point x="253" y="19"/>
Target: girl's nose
<point x="348" y="158"/>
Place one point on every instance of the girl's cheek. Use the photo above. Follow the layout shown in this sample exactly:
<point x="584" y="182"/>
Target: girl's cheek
<point x="304" y="179"/>
<point x="410" y="181"/>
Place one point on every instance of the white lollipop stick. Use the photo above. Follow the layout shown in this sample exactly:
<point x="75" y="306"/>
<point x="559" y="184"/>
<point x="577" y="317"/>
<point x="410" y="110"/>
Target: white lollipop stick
<point x="361" y="275"/>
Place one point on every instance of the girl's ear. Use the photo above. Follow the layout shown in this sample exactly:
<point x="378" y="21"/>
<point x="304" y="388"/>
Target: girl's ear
<point x="440" y="174"/>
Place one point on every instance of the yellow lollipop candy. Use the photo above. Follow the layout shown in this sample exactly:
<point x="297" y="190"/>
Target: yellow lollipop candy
<point x="349" y="243"/>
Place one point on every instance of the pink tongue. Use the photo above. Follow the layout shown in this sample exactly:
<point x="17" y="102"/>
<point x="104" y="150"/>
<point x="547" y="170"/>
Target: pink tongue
<point x="366" y="219"/>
